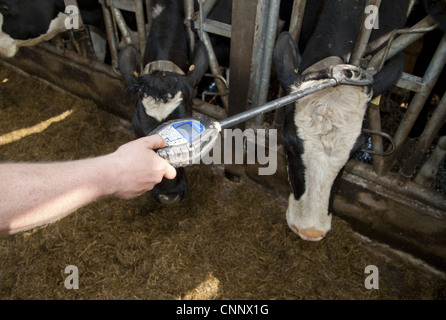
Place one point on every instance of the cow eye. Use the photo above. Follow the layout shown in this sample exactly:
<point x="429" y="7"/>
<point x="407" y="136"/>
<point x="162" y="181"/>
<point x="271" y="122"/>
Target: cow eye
<point x="4" y="9"/>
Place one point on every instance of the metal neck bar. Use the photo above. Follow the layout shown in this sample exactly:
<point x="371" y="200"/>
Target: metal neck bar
<point x="275" y="104"/>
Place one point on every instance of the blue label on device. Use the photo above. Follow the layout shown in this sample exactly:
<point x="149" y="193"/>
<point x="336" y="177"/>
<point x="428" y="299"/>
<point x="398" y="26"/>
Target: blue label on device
<point x="189" y="129"/>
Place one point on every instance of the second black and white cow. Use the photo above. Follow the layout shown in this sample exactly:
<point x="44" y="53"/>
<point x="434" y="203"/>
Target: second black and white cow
<point x="24" y="19"/>
<point x="321" y="131"/>
<point x="29" y="22"/>
<point x="163" y="90"/>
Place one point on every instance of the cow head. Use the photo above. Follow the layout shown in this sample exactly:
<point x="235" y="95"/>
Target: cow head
<point x="320" y="132"/>
<point x="157" y="96"/>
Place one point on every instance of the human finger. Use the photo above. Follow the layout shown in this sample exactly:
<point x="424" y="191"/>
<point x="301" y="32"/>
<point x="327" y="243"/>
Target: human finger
<point x="170" y="172"/>
<point x="154" y="141"/>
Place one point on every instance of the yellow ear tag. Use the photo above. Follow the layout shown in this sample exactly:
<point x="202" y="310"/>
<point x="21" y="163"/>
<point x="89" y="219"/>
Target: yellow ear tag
<point x="136" y="74"/>
<point x="296" y="70"/>
<point x="191" y="68"/>
<point x="376" y="101"/>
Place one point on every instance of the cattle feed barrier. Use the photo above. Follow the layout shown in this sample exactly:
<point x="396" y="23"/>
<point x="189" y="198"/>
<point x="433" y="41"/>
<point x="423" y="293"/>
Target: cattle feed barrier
<point x="383" y="203"/>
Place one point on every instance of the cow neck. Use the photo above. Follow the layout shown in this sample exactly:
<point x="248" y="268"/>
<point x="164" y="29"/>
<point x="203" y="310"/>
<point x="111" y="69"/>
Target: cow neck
<point x="162" y="65"/>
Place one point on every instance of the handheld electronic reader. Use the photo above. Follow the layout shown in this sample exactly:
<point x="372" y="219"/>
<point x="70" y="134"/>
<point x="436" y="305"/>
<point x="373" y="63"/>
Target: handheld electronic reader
<point x="188" y="139"/>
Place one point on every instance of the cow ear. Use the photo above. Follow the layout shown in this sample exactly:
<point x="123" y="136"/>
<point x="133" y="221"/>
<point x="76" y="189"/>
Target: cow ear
<point x="199" y="64"/>
<point x="286" y="60"/>
<point x="437" y="10"/>
<point x="129" y="64"/>
<point x="389" y="74"/>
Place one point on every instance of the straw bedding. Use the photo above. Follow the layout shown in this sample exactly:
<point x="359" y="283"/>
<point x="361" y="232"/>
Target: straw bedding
<point x="227" y="240"/>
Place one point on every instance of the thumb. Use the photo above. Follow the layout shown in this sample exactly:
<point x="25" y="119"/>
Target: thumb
<point x="170" y="171"/>
<point x="154" y="142"/>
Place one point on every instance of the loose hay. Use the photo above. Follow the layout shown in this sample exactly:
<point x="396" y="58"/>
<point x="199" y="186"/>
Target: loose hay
<point x="225" y="241"/>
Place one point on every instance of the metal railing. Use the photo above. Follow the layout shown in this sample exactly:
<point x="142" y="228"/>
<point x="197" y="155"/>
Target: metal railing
<point x="118" y="32"/>
<point x="383" y="159"/>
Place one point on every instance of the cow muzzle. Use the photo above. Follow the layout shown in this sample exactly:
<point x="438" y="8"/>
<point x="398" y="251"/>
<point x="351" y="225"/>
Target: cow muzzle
<point x="171" y="191"/>
<point x="168" y="198"/>
<point x="307" y="221"/>
<point x="308" y="234"/>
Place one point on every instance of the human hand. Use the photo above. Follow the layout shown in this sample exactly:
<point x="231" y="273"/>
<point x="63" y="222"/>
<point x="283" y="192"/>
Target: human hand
<point x="137" y="168"/>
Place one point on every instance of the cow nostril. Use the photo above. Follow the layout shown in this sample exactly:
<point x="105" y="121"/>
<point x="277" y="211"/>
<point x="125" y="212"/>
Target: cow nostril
<point x="308" y="234"/>
<point x="311" y="234"/>
<point x="294" y="229"/>
<point x="169" y="198"/>
<point x="4" y="9"/>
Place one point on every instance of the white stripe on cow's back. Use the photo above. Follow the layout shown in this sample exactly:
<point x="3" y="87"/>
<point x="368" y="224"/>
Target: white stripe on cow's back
<point x="158" y="109"/>
<point x="328" y="122"/>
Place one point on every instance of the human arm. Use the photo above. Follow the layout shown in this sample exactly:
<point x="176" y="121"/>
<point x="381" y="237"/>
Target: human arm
<point x="33" y="194"/>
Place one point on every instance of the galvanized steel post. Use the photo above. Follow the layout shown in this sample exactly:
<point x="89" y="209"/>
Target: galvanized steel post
<point x="373" y="110"/>
<point x="140" y="25"/>
<point x="265" y="67"/>
<point x="261" y="17"/>
<point x="431" y="130"/>
<point x="430" y="77"/>
<point x="111" y="39"/>
<point x="297" y="18"/>
<point x="213" y="62"/>
<point x="363" y="35"/>
<point x="189" y="15"/>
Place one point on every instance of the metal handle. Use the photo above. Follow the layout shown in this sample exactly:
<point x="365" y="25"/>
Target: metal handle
<point x="351" y="75"/>
<point x="384" y="135"/>
<point x="342" y="74"/>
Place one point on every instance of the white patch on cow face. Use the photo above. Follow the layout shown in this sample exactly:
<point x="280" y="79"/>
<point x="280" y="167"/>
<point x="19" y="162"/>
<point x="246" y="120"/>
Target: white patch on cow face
<point x="158" y="109"/>
<point x="157" y="10"/>
<point x="328" y="122"/>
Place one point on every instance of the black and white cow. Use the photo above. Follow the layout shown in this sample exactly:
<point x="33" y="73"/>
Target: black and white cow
<point x="29" y="22"/>
<point x="321" y="131"/>
<point x="164" y="88"/>
<point x="24" y="19"/>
